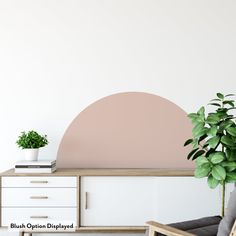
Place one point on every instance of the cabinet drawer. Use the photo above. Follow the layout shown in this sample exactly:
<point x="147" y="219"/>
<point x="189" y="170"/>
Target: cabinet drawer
<point x="45" y="215"/>
<point x="39" y="181"/>
<point x="39" y="197"/>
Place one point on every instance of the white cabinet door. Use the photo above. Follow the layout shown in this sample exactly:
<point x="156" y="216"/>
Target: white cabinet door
<point x="185" y="198"/>
<point x="117" y="201"/>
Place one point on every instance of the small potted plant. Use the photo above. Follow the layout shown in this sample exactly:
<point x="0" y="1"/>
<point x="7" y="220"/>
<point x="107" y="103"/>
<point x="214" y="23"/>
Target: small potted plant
<point x="31" y="141"/>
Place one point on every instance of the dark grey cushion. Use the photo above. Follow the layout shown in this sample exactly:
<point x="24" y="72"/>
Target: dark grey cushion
<point x="206" y="226"/>
<point x="230" y="216"/>
<point x="210" y="230"/>
<point x="197" y="223"/>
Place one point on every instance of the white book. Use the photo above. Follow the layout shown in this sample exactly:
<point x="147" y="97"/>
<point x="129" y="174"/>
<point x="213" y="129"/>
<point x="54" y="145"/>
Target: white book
<point x="35" y="170"/>
<point x="35" y="164"/>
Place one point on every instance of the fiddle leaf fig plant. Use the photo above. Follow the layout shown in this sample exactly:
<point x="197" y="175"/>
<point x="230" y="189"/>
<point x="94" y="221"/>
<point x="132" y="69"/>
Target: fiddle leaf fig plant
<point x="214" y="143"/>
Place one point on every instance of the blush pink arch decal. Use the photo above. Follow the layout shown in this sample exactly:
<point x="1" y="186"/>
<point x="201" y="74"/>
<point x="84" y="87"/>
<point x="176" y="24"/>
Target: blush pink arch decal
<point x="127" y="130"/>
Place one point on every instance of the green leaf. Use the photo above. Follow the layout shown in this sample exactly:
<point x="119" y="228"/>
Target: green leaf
<point x="218" y="172"/>
<point x="197" y="154"/>
<point x="220" y="95"/>
<point x="231" y="177"/>
<point x="227" y="140"/>
<point x="201" y="160"/>
<point x="230" y="154"/>
<point x="205" y="145"/>
<point x="222" y="113"/>
<point x="199" y="130"/>
<point x="201" y="111"/>
<point x="195" y="143"/>
<point x="214" y="104"/>
<point x="231" y="131"/>
<point x="191" y="153"/>
<point x="222" y="109"/>
<point x="230" y="116"/>
<point x="202" y="171"/>
<point x="217" y="157"/>
<point x="215" y="99"/>
<point x="225" y="124"/>
<point x="188" y="142"/>
<point x="212" y="182"/>
<point x="202" y="138"/>
<point x="230" y="95"/>
<point x="195" y="118"/>
<point x="211" y="150"/>
<point x="192" y="115"/>
<point x="198" y="127"/>
<point x="213" y="142"/>
<point x="229" y="165"/>
<point x="225" y="101"/>
<point x="212" y="131"/>
<point x="212" y="119"/>
<point x="201" y="133"/>
<point x="229" y="102"/>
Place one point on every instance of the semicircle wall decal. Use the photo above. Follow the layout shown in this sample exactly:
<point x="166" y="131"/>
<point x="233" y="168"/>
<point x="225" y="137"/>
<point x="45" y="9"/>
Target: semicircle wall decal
<point x="127" y="130"/>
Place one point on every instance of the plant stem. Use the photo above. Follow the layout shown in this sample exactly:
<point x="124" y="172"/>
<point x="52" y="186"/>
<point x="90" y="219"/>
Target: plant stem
<point x="223" y="186"/>
<point x="223" y="200"/>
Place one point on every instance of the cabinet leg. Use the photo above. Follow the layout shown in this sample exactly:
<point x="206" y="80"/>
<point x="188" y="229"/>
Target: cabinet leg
<point x="152" y="232"/>
<point x="22" y="233"/>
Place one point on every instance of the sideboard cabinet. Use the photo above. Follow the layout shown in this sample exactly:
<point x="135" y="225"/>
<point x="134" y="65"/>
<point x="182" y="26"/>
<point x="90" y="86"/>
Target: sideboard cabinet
<point x="107" y="199"/>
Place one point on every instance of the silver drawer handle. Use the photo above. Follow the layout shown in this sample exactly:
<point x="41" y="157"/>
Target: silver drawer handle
<point x="86" y="201"/>
<point x="38" y="181"/>
<point x="38" y="197"/>
<point x="38" y="217"/>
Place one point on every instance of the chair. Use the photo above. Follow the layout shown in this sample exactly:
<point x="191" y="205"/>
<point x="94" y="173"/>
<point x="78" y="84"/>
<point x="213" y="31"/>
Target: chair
<point x="155" y="228"/>
<point x="207" y="226"/>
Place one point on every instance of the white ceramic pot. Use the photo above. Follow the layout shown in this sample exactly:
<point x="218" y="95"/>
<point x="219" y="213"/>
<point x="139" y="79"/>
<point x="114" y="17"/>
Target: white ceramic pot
<point x="31" y="154"/>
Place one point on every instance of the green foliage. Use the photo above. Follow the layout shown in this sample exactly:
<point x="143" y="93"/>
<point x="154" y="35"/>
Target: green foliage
<point x="31" y="139"/>
<point x="214" y="141"/>
<point x="212" y="182"/>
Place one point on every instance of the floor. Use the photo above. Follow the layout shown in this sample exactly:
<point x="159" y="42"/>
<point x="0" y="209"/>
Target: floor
<point x="7" y="233"/>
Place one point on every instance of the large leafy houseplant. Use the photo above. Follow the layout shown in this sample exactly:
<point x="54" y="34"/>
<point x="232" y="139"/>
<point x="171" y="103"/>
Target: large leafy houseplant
<point x="214" y="143"/>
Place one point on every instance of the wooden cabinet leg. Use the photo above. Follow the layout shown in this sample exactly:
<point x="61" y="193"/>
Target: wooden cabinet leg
<point x="22" y="233"/>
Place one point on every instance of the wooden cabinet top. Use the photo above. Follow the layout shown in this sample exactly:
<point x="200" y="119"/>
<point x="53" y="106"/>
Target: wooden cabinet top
<point x="108" y="172"/>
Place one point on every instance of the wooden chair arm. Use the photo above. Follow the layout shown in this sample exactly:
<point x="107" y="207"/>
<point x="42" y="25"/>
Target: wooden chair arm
<point x="233" y="231"/>
<point x="155" y="227"/>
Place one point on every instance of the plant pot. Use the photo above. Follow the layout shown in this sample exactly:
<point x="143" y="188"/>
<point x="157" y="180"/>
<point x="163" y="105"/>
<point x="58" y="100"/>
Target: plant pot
<point x="31" y="154"/>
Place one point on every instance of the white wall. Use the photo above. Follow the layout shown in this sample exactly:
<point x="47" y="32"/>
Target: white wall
<point x="58" y="56"/>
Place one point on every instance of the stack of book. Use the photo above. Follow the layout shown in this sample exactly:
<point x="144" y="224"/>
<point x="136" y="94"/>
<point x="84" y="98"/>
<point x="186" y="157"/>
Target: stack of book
<point x="35" y="166"/>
